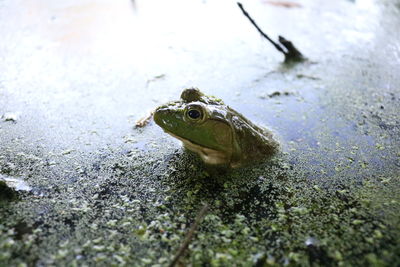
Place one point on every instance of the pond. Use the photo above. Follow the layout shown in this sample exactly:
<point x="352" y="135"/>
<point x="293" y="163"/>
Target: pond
<point x="77" y="75"/>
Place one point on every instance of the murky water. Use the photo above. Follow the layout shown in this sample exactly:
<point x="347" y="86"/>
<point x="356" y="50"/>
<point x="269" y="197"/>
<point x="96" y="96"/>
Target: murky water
<point x="76" y="75"/>
<point x="83" y="67"/>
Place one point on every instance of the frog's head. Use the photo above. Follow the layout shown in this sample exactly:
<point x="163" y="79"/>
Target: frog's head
<point x="200" y="122"/>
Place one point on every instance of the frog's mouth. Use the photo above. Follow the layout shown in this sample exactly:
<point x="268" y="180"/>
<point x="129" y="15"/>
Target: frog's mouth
<point x="188" y="142"/>
<point x="208" y="155"/>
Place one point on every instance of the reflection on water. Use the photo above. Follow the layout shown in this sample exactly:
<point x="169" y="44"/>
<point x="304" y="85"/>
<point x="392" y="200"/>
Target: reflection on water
<point x="141" y="30"/>
<point x="83" y="67"/>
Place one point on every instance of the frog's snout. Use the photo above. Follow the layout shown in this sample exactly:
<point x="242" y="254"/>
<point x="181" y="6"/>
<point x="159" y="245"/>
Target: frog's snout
<point x="157" y="115"/>
<point x="160" y="114"/>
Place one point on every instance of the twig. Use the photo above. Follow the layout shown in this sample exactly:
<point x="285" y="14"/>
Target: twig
<point x="144" y="121"/>
<point x="292" y="53"/>
<point x="277" y="46"/>
<point x="189" y="235"/>
<point x="285" y="47"/>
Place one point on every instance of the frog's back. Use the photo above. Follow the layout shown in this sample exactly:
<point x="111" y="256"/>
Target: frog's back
<point x="253" y="143"/>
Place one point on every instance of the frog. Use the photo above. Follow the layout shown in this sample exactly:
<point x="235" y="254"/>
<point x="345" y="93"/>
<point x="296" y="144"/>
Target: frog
<point x="220" y="135"/>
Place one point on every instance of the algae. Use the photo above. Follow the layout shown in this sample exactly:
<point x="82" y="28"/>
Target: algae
<point x="104" y="193"/>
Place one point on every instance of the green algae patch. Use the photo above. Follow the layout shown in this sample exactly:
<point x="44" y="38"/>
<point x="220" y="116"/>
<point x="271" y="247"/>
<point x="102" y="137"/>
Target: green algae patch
<point x="138" y="208"/>
<point x="303" y="225"/>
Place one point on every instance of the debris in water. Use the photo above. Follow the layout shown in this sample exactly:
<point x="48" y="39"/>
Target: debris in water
<point x="300" y="76"/>
<point x="10" y="116"/>
<point x="155" y="78"/>
<point x="274" y="94"/>
<point x="284" y="46"/>
<point x="144" y="121"/>
<point x="286" y="4"/>
<point x="67" y="151"/>
<point x="189" y="235"/>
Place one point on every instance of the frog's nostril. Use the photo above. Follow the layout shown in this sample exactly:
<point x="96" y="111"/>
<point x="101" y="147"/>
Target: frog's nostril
<point x="159" y="115"/>
<point x="162" y="110"/>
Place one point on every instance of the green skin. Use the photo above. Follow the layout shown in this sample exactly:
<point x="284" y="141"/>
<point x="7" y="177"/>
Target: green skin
<point x="219" y="134"/>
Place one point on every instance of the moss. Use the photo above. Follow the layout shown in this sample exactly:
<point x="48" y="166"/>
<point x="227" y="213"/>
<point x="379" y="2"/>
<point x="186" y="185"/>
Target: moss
<point x="272" y="214"/>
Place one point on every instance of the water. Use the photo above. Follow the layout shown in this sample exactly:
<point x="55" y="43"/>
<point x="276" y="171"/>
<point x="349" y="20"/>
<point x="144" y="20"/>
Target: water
<point x="77" y="75"/>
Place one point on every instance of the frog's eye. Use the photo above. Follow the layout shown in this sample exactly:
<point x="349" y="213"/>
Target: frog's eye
<point x="194" y="113"/>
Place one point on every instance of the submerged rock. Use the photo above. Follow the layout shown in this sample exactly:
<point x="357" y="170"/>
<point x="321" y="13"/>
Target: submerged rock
<point x="6" y="192"/>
